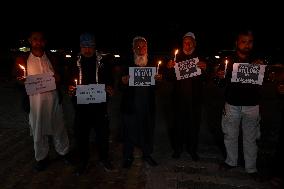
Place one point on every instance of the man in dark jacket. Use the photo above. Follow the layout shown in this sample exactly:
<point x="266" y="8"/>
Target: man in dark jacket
<point x="91" y="69"/>
<point x="138" y="109"/>
<point x="241" y="107"/>
<point x="187" y="95"/>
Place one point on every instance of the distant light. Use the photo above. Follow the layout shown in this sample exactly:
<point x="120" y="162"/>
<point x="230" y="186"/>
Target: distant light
<point x="117" y="56"/>
<point x="217" y="56"/>
<point x="24" y="49"/>
<point x="68" y="56"/>
<point x="53" y="50"/>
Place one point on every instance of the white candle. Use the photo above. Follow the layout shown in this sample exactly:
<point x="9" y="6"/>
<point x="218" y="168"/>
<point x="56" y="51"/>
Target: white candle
<point x="176" y="55"/>
<point x="158" y="66"/>
<point x="225" y="71"/>
<point x="24" y="70"/>
<point x="76" y="82"/>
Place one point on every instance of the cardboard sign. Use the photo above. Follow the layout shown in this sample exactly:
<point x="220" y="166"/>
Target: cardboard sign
<point x="248" y="73"/>
<point x="92" y="93"/>
<point x="187" y="69"/>
<point x="142" y="76"/>
<point x="40" y="83"/>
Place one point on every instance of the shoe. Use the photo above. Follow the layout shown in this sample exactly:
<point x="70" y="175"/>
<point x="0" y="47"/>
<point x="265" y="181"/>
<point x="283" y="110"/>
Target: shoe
<point x="194" y="156"/>
<point x="41" y="165"/>
<point x="225" y="167"/>
<point x="81" y="169"/>
<point x="66" y="159"/>
<point x="256" y="177"/>
<point x="107" y="165"/>
<point x="127" y="163"/>
<point x="150" y="161"/>
<point x="176" y="155"/>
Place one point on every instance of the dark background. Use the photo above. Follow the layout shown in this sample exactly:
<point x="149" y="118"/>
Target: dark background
<point x="162" y="23"/>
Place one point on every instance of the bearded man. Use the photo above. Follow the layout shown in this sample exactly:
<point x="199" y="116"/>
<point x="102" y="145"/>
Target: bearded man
<point x="138" y="109"/>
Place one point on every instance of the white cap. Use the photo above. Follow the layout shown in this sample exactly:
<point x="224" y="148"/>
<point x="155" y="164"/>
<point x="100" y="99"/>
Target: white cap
<point x="189" y="34"/>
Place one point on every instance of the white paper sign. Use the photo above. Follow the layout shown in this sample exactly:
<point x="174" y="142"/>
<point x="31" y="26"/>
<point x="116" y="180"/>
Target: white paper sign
<point x="40" y="83"/>
<point x="248" y="73"/>
<point x="92" y="93"/>
<point x="187" y="69"/>
<point x="142" y="76"/>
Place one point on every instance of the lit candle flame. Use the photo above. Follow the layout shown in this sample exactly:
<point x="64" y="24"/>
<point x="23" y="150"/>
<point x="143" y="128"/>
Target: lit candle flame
<point x="226" y="63"/>
<point x="159" y="63"/>
<point x="23" y="68"/>
<point x="176" y="52"/>
<point x="176" y="55"/>
<point x="76" y="81"/>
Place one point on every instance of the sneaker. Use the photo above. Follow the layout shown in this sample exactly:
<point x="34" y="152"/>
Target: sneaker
<point x="127" y="163"/>
<point x="66" y="159"/>
<point x="107" y="165"/>
<point x="256" y="177"/>
<point x="226" y="167"/>
<point x="150" y="161"/>
<point x="41" y="165"/>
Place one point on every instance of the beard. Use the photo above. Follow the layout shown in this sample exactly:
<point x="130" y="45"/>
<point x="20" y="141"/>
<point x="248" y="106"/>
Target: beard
<point x="141" y="60"/>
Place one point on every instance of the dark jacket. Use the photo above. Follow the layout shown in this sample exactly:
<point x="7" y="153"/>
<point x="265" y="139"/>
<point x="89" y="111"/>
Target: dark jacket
<point x="131" y="93"/>
<point x="88" y="67"/>
<point x="240" y="94"/>
<point x="190" y="86"/>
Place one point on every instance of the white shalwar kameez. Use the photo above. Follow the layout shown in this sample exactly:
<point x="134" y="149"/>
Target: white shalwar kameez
<point x="46" y="114"/>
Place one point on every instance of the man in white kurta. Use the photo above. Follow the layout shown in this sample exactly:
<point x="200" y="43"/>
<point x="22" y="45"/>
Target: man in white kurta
<point x="46" y="114"/>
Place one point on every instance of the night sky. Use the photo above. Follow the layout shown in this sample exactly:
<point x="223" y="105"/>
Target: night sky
<point x="114" y="26"/>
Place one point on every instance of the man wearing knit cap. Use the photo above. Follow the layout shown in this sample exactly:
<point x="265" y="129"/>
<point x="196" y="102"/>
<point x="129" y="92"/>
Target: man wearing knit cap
<point x="87" y="40"/>
<point x="91" y="68"/>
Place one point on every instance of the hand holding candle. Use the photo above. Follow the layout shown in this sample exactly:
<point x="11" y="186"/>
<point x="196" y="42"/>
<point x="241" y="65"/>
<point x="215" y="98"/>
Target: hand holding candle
<point x="225" y="71"/>
<point x="24" y="70"/>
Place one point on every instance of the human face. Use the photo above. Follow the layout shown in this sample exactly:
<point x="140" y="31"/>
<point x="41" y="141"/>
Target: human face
<point x="37" y="41"/>
<point x="88" y="51"/>
<point x="188" y="45"/>
<point x="244" y="44"/>
<point x="140" y="48"/>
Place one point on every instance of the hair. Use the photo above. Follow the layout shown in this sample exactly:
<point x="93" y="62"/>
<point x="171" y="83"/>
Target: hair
<point x="244" y="32"/>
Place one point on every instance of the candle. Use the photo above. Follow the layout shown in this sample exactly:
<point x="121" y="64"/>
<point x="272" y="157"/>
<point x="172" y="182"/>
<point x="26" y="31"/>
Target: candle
<point x="226" y="63"/>
<point x="24" y="70"/>
<point x="76" y="82"/>
<point x="160" y="62"/>
<point x="176" y="55"/>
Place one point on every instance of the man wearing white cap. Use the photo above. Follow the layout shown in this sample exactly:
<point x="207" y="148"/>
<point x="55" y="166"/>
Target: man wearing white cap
<point x="186" y="101"/>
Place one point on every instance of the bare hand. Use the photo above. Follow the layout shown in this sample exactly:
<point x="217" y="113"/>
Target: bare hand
<point x="281" y="88"/>
<point x="171" y="64"/>
<point x="220" y="74"/>
<point x="158" y="77"/>
<point x="258" y="61"/>
<point x="71" y="90"/>
<point x="109" y="90"/>
<point x="125" y="79"/>
<point x="202" y="65"/>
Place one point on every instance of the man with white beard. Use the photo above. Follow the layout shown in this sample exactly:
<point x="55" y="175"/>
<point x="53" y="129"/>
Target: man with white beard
<point x="138" y="109"/>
